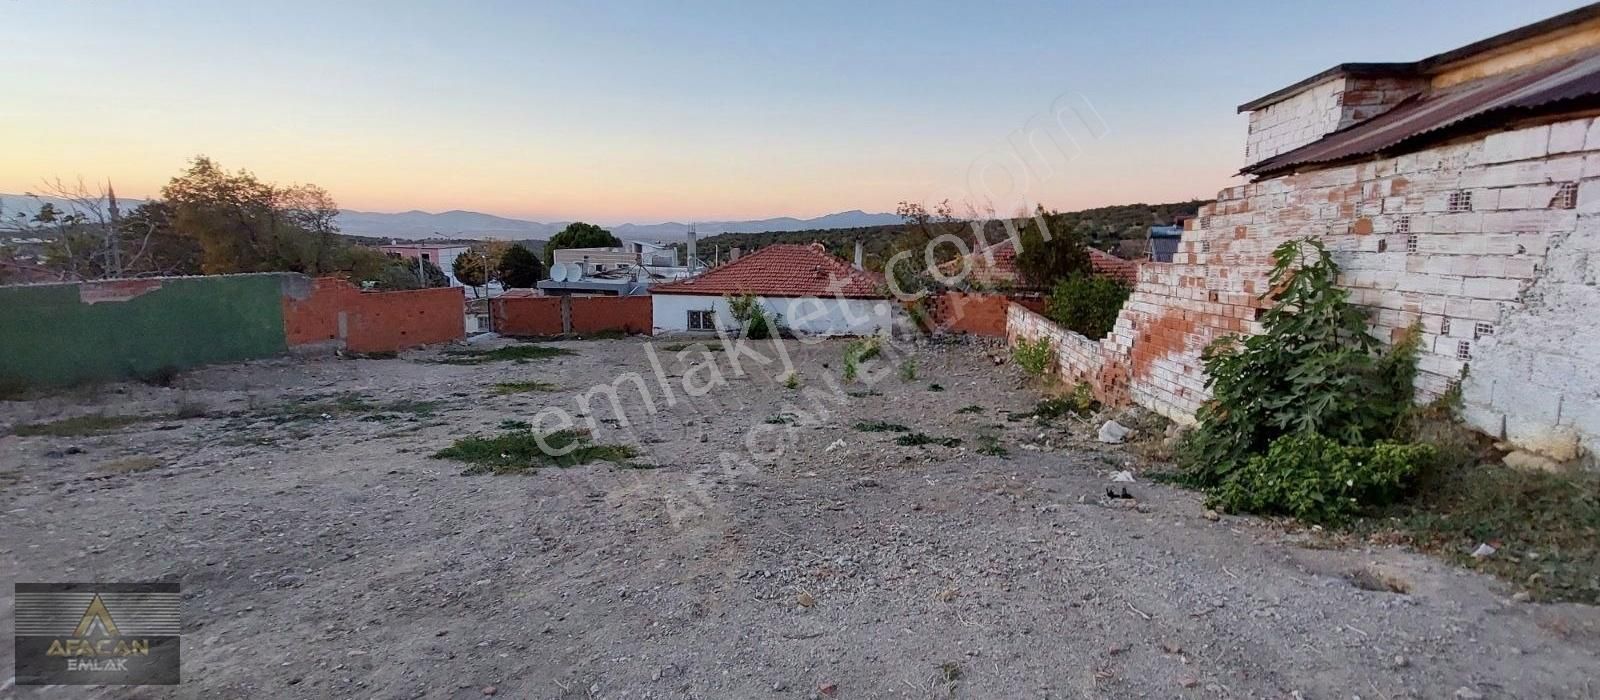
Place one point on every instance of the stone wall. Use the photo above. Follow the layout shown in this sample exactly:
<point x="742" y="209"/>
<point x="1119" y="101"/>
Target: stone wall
<point x="1492" y="245"/>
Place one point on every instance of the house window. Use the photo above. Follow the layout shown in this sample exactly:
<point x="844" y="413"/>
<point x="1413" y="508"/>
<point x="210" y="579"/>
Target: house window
<point x="702" y="320"/>
<point x="1566" y="197"/>
<point x="425" y="257"/>
<point x="1460" y="200"/>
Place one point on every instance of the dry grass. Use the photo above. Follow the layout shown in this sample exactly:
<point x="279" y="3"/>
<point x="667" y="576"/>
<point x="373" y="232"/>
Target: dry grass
<point x="130" y="465"/>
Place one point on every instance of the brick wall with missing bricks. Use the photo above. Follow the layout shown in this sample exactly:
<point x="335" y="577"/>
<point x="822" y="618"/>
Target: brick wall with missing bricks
<point x="1492" y="245"/>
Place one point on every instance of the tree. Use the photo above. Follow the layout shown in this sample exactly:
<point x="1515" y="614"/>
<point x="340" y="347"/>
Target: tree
<point x="480" y="265"/>
<point x="579" y="235"/>
<point x="402" y="274"/>
<point x="236" y="218"/>
<point x="90" y="238"/>
<point x="1050" y="250"/>
<point x="520" y="268"/>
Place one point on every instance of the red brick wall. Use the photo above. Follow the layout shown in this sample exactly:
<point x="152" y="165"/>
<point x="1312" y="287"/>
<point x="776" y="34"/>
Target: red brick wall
<point x="980" y="314"/>
<point x="518" y="314"/>
<point x="629" y="314"/>
<point x="527" y="315"/>
<point x="374" y="321"/>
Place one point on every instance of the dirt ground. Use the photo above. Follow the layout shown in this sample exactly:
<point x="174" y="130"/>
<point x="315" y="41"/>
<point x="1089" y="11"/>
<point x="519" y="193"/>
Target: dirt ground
<point x="323" y="553"/>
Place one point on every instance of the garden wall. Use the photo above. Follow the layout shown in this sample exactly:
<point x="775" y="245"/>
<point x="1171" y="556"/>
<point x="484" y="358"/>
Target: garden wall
<point x="530" y="315"/>
<point x="331" y="310"/>
<point x="979" y="314"/>
<point x="58" y="334"/>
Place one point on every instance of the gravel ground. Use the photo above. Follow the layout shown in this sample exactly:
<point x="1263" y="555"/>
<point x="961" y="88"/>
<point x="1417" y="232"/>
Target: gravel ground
<point x="325" y="554"/>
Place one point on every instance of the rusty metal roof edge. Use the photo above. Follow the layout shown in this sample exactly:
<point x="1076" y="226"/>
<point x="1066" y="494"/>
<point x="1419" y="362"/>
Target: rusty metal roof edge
<point x="1434" y="62"/>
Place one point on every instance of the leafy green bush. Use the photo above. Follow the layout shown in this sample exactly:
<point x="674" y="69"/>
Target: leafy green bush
<point x="1034" y="357"/>
<point x="1314" y="369"/>
<point x="1087" y="304"/>
<point x="1316" y="479"/>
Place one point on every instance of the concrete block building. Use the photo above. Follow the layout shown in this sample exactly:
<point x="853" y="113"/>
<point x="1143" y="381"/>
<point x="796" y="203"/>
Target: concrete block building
<point x="1461" y="192"/>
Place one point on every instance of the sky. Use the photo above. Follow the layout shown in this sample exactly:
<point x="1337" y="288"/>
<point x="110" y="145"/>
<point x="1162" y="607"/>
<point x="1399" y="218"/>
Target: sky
<point x="647" y="111"/>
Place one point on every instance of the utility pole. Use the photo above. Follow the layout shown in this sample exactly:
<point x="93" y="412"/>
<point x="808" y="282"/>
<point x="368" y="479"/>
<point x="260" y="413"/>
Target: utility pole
<point x="113" y="235"/>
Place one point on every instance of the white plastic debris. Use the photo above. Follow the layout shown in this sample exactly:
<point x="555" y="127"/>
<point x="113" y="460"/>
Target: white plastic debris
<point x="1483" y="550"/>
<point x="1124" y="475"/>
<point x="836" y="444"/>
<point x="1113" y="433"/>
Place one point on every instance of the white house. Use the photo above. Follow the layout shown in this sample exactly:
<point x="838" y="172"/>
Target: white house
<point x="813" y="293"/>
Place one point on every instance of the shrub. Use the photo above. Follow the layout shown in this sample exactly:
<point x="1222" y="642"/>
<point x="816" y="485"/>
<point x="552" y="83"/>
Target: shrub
<point x="791" y="380"/>
<point x="1087" y="304"/>
<point x="908" y="370"/>
<point x="859" y="351"/>
<point x="1034" y="357"/>
<point x="1314" y="370"/>
<point x="1319" y="480"/>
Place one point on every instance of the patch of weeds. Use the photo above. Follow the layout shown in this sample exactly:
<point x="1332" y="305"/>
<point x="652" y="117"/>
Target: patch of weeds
<point x="13" y="389"/>
<point x="509" y="353"/>
<point x="908" y="370"/>
<point x="989" y="444"/>
<point x="188" y="410"/>
<point x="791" y="380"/>
<point x="917" y="439"/>
<point x="707" y="347"/>
<point x="517" y="451"/>
<point x="79" y="426"/>
<point x="1035" y="357"/>
<point x="509" y="424"/>
<point x="160" y="376"/>
<point x="859" y="351"/>
<point x="935" y="387"/>
<point x="315" y="407"/>
<point x="1547" y="526"/>
<point x="129" y="465"/>
<point x="879" y="426"/>
<point x="974" y="408"/>
<point x="1079" y="403"/>
<point x="780" y="419"/>
<point x="504" y="388"/>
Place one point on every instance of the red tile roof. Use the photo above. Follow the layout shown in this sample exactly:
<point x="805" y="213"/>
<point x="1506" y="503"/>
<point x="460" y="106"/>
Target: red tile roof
<point x="1005" y="265"/>
<point x="783" y="270"/>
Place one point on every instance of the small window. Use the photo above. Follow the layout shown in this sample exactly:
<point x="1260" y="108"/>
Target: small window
<point x="426" y="257"/>
<point x="702" y="320"/>
<point x="1463" y="350"/>
<point x="1460" y="200"/>
<point x="1566" y="197"/>
<point x="1482" y="329"/>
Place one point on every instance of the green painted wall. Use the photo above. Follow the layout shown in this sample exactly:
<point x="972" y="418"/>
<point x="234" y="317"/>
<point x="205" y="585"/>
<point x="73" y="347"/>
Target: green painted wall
<point x="50" y="337"/>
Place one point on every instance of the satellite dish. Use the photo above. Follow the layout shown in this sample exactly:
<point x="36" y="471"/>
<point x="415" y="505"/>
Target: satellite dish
<point x="558" y="272"/>
<point x="575" y="271"/>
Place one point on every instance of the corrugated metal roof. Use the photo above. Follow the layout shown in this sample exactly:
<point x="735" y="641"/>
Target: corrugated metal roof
<point x="1547" y="84"/>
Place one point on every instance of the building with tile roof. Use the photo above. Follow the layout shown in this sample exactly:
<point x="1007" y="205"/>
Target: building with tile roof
<point x="813" y="293"/>
<point x="997" y="264"/>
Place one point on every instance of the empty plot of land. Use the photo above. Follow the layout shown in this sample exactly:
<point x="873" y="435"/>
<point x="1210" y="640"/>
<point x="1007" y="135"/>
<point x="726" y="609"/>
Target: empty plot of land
<point x="758" y="534"/>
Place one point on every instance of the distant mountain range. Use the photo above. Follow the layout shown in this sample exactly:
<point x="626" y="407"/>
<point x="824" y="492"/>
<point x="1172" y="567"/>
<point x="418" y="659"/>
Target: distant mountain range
<point x="471" y="224"/>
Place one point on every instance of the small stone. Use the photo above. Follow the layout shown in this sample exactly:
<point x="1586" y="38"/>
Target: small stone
<point x="1465" y="693"/>
<point x="806" y="600"/>
<point x="1212" y="515"/>
<point x="829" y="689"/>
<point x="490" y="690"/>
<point x="1189" y="681"/>
<point x="779" y="686"/>
<point x="1521" y="596"/>
<point x="1400" y="661"/>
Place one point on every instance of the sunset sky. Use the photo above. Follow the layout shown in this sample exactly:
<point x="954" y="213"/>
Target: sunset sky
<point x="650" y="111"/>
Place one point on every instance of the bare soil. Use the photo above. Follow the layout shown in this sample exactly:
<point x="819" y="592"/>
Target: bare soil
<point x="324" y="553"/>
